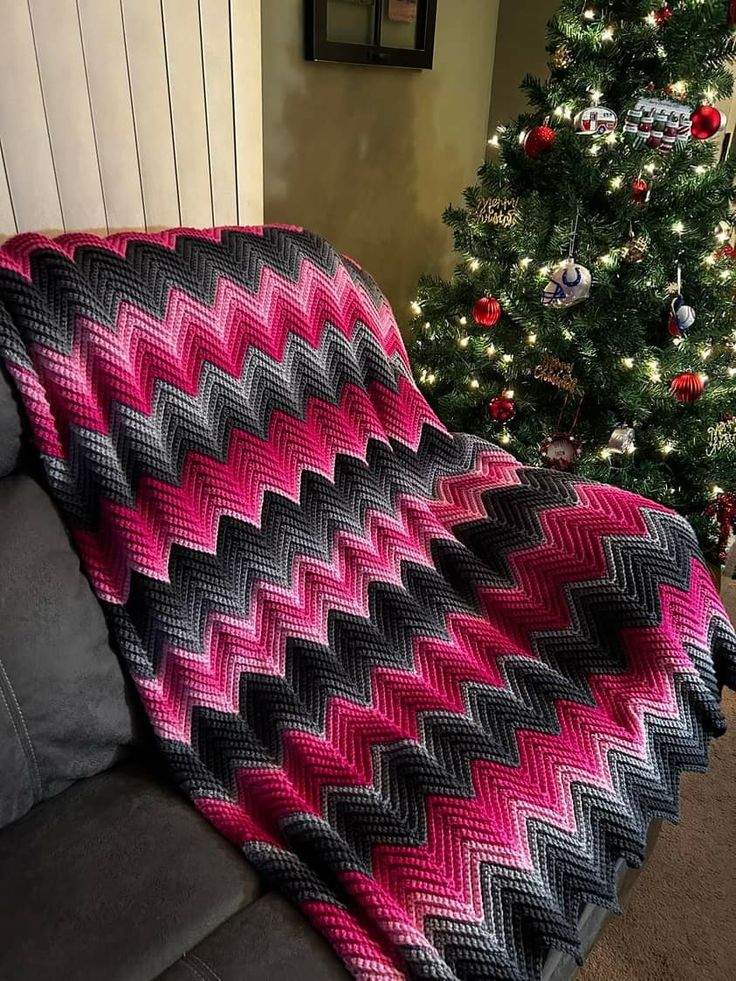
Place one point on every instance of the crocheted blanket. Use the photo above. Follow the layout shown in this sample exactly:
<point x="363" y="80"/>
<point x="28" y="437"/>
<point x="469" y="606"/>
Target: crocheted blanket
<point x="435" y="696"/>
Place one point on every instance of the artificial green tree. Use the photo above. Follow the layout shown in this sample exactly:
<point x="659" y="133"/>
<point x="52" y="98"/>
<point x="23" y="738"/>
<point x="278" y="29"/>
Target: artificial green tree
<point x="637" y="393"/>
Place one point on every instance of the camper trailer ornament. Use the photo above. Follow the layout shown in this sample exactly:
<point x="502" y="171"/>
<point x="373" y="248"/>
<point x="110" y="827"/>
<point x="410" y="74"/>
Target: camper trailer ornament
<point x="596" y="121"/>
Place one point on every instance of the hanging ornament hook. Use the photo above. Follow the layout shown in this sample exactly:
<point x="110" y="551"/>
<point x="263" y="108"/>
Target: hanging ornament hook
<point x="574" y="234"/>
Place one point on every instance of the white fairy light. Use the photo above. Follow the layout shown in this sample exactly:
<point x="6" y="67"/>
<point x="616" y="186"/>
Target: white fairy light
<point x="732" y="372"/>
<point x="491" y="350"/>
<point x="463" y="321"/>
<point x="568" y="334"/>
<point x="616" y="182"/>
<point x="595" y="96"/>
<point x="650" y="168"/>
<point x="605" y="453"/>
<point x="463" y="341"/>
<point x="706" y="352"/>
<point x="594" y="150"/>
<point x="507" y="358"/>
<point x="651" y="19"/>
<point x="716" y="490"/>
<point x="474" y="264"/>
<point x="508" y="393"/>
<point x="589" y="13"/>
<point x="678" y="227"/>
<point x="416" y="308"/>
<point x="725" y="274"/>
<point x="667" y="448"/>
<point x="544" y="270"/>
<point x="525" y="261"/>
<point x="494" y="140"/>
<point x="653" y="370"/>
<point x="474" y="383"/>
<point x="531" y="339"/>
<point x="710" y="260"/>
<point x="504" y="438"/>
<point x="607" y="34"/>
<point x="627" y="363"/>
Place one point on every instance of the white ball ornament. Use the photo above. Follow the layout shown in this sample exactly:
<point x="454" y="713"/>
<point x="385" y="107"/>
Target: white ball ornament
<point x="569" y="284"/>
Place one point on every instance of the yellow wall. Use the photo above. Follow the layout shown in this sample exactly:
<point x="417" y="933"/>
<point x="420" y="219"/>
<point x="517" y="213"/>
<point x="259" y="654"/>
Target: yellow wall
<point x="522" y="37"/>
<point x="370" y="157"/>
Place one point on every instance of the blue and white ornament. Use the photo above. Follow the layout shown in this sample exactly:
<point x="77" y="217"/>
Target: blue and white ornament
<point x="682" y="317"/>
<point x="569" y="284"/>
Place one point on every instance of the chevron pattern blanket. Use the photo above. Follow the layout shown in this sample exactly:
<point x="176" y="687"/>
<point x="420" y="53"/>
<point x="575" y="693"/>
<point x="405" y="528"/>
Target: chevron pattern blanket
<point x="435" y="696"/>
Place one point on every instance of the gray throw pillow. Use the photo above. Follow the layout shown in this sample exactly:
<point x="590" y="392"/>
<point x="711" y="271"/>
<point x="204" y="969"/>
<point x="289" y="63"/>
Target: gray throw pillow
<point x="65" y="707"/>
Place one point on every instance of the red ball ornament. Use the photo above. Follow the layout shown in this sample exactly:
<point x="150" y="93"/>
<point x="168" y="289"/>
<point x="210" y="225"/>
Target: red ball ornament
<point x="662" y="15"/>
<point x="502" y="408"/>
<point x="706" y="121"/>
<point x="639" y="191"/>
<point x="487" y="311"/>
<point x="539" y="141"/>
<point x="687" y="386"/>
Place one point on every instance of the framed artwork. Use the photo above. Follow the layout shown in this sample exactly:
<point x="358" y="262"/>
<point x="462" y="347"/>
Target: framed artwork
<point x="391" y="33"/>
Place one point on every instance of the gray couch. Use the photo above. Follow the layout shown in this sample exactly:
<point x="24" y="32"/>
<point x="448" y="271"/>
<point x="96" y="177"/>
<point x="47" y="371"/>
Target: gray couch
<point x="92" y="832"/>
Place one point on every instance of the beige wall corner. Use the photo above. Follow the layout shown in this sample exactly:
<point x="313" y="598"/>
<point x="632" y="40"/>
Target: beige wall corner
<point x="520" y="51"/>
<point x="370" y="157"/>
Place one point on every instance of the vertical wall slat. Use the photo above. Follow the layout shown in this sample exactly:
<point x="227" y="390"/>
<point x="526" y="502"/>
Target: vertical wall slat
<point x="23" y="130"/>
<point x="7" y="217"/>
<point x="215" y="19"/>
<point x="245" y="30"/>
<point x="149" y="86"/>
<point x="112" y="111"/>
<point x="64" y="85"/>
<point x="186" y="94"/>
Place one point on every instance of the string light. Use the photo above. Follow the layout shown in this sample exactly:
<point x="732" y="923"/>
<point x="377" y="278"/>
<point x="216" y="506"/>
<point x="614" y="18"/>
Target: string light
<point x="525" y="261"/>
<point x="491" y="350"/>
<point x="726" y="274"/>
<point x="706" y="352"/>
<point x="650" y="168"/>
<point x="463" y="341"/>
<point x="507" y="358"/>
<point x="616" y="182"/>
<point x="653" y="370"/>
<point x="474" y="264"/>
<point x="605" y="453"/>
<point x="607" y="34"/>
<point x="678" y="227"/>
<point x="463" y="321"/>
<point x="474" y="383"/>
<point x="494" y="140"/>
<point x="667" y="448"/>
<point x="568" y="334"/>
<point x="508" y="393"/>
<point x="594" y="150"/>
<point x="589" y="13"/>
<point x="544" y="270"/>
<point x="710" y="260"/>
<point x="608" y="259"/>
<point x="504" y="438"/>
<point x="595" y="96"/>
<point x="700" y="169"/>
<point x="732" y="372"/>
<point x="716" y="490"/>
<point x="627" y="363"/>
<point x="651" y="19"/>
<point x="416" y="308"/>
<point x="531" y="339"/>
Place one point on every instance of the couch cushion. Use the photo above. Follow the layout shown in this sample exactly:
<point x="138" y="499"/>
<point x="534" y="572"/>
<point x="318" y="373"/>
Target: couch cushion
<point x="269" y="941"/>
<point x="115" y="879"/>
<point x="10" y="427"/>
<point x="65" y="707"/>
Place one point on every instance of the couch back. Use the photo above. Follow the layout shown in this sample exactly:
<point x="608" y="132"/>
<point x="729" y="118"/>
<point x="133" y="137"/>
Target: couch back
<point x="66" y="710"/>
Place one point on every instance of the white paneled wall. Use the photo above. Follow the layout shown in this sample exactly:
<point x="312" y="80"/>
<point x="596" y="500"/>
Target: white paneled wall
<point x="129" y="114"/>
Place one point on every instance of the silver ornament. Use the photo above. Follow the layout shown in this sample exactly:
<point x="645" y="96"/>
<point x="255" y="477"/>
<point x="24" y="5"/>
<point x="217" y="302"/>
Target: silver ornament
<point x="570" y="284"/>
<point x="622" y="440"/>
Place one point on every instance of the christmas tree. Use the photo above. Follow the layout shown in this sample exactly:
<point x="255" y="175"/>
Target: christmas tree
<point x="590" y="324"/>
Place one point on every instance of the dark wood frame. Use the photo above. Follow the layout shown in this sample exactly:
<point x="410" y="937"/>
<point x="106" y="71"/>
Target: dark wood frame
<point x="319" y="48"/>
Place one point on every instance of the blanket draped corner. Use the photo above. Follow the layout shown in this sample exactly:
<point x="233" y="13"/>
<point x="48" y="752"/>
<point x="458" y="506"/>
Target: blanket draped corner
<point x="434" y="695"/>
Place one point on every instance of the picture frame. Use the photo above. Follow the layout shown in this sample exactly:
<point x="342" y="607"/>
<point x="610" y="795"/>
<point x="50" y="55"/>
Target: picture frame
<point x="383" y="24"/>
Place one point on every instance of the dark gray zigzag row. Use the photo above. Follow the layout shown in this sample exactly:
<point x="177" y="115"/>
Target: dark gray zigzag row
<point x="156" y="445"/>
<point x="520" y="906"/>
<point x="97" y="280"/>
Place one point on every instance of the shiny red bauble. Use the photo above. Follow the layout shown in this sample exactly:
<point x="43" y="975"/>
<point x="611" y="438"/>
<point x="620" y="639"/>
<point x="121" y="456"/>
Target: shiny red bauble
<point x="502" y="408"/>
<point x="487" y="311"/>
<point x="539" y="141"/>
<point x="639" y="191"/>
<point x="662" y="15"/>
<point x="706" y="121"/>
<point x="687" y="386"/>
